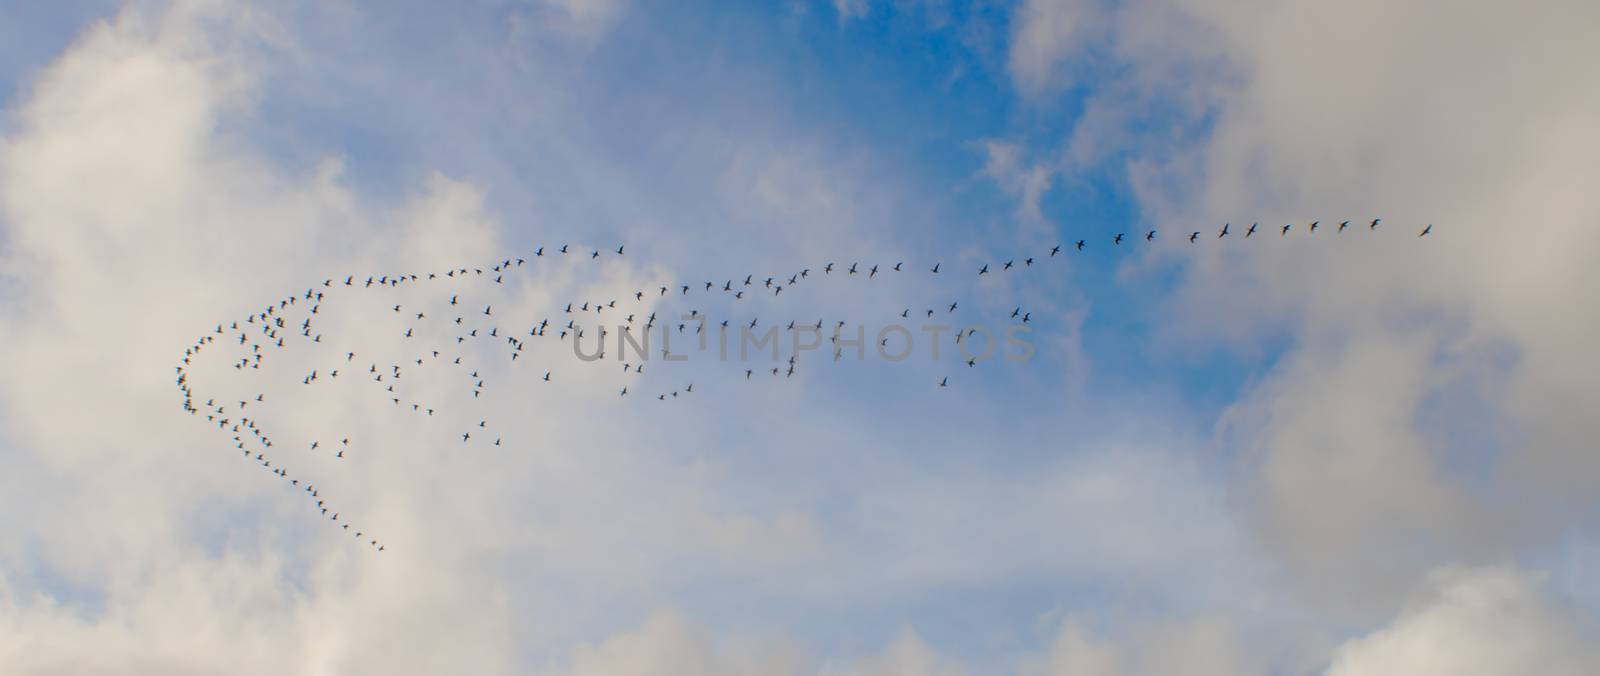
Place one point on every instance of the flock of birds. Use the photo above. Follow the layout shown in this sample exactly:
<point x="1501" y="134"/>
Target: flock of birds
<point x="464" y="333"/>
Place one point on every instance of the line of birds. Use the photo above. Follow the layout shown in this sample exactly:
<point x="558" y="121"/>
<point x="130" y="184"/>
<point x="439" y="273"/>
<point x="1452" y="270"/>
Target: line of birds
<point x="270" y="326"/>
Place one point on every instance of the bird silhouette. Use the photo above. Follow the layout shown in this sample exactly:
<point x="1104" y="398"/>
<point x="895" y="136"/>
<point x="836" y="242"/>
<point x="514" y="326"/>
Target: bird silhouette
<point x="277" y="327"/>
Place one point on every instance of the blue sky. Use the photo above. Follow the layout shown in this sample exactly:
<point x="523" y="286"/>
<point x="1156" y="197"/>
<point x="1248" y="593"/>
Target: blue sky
<point x="1300" y="454"/>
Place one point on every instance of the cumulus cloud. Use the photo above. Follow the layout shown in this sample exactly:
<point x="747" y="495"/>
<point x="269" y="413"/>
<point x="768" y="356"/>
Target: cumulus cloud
<point x="1357" y="440"/>
<point x="1480" y="621"/>
<point x="1047" y="36"/>
<point x="130" y="214"/>
<point x="1203" y="646"/>
<point x="1399" y="136"/>
<point x="907" y="655"/>
<point x="668" y="644"/>
<point x="135" y="219"/>
<point x="1005" y="164"/>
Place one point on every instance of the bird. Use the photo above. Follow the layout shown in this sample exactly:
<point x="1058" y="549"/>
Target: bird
<point x="1374" y="224"/>
<point x="1251" y="231"/>
<point x="277" y="317"/>
<point x="1286" y="229"/>
<point x="1194" y="236"/>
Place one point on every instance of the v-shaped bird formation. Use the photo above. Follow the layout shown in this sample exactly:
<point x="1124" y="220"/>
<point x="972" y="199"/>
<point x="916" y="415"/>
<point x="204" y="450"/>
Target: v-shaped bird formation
<point x="445" y="327"/>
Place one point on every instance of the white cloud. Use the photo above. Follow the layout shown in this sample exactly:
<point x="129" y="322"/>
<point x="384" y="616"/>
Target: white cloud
<point x="668" y="645"/>
<point x="1004" y="163"/>
<point x="1047" y="35"/>
<point x="136" y="220"/>
<point x="1430" y="406"/>
<point x="907" y="655"/>
<point x="1203" y="646"/>
<point x="1423" y="337"/>
<point x="1484" y="621"/>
